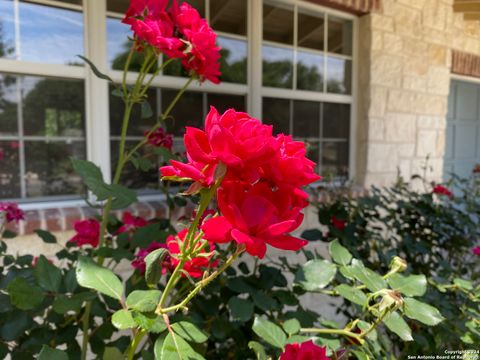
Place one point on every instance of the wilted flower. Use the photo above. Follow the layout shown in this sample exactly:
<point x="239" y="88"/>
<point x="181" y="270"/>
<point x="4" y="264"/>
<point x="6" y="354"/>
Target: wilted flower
<point x="304" y="351"/>
<point x="88" y="232"/>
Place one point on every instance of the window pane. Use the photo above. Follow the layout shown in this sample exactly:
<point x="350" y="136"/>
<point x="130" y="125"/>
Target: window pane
<point x="53" y="107"/>
<point x="313" y="150"/>
<point x="339" y="36"/>
<point x="8" y="105"/>
<point x="118" y="45"/>
<point x="311" y="30"/>
<point x="47" y="34"/>
<point x="310" y="74"/>
<point x="137" y="125"/>
<point x="336" y="120"/>
<point x="187" y="112"/>
<point x="7" y="29"/>
<point x="9" y="170"/>
<point x="278" y="24"/>
<point x="223" y="102"/>
<point x="229" y="16"/>
<point x="335" y="159"/>
<point x="306" y="119"/>
<point x="276" y="112"/>
<point x="49" y="170"/>
<point x="277" y="66"/>
<point x="339" y="74"/>
<point x="233" y="63"/>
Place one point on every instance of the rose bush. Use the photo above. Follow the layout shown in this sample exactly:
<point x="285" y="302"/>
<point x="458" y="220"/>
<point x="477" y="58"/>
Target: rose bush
<point x="182" y="299"/>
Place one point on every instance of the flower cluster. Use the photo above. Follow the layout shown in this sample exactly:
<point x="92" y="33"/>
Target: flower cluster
<point x="139" y="262"/>
<point x="179" y="32"/>
<point x="88" y="232"/>
<point x="442" y="190"/>
<point x="11" y="212"/>
<point x="304" y="351"/>
<point x="260" y="197"/>
<point x="159" y="138"/>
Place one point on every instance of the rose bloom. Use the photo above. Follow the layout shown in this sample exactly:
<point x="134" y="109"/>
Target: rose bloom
<point x="338" y="223"/>
<point x="442" y="190"/>
<point x="476" y="250"/>
<point x="131" y="223"/>
<point x="88" y="232"/>
<point x="12" y="212"/>
<point x="196" y="266"/>
<point x="159" y="138"/>
<point x="139" y="262"/>
<point x="255" y="217"/>
<point x="304" y="351"/>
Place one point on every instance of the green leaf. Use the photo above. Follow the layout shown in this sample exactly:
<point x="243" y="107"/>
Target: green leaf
<point x="46" y="236"/>
<point x="352" y="294"/>
<point x="92" y="178"/>
<point x="172" y="347"/>
<point x="93" y="276"/>
<point x="258" y="349"/>
<point x="150" y="322"/>
<point x="8" y="234"/>
<point x="123" y="319"/>
<point x="95" y="70"/>
<point x="422" y="312"/>
<point x="270" y="332"/>
<point x="315" y="274"/>
<point x="143" y="300"/>
<point x="312" y="235"/>
<point x="332" y="344"/>
<point x="412" y="285"/>
<point x="241" y="309"/>
<point x="298" y="339"/>
<point x="122" y="196"/>
<point x="395" y="323"/>
<point x="291" y="326"/>
<point x="112" y="353"/>
<point x="153" y="266"/>
<point x="189" y="332"/>
<point x="166" y="154"/>
<point x="23" y="295"/>
<point x="264" y="301"/>
<point x="339" y="253"/>
<point x="62" y="304"/>
<point x="464" y="284"/>
<point x="146" y="110"/>
<point x="360" y="355"/>
<point x="372" y="280"/>
<point x="47" y="353"/>
<point x="347" y="272"/>
<point x="48" y="276"/>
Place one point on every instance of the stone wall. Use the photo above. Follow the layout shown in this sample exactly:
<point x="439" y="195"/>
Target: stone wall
<point x="405" y="62"/>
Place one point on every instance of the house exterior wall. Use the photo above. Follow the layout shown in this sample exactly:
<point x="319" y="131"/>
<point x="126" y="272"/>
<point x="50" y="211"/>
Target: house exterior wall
<point x="405" y="68"/>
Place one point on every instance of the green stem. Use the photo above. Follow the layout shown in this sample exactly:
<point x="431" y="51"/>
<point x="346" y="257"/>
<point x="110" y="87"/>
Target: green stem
<point x="125" y="71"/>
<point x="134" y="344"/>
<point x="334" y="331"/>
<point x="85" y="327"/>
<point x="375" y="324"/>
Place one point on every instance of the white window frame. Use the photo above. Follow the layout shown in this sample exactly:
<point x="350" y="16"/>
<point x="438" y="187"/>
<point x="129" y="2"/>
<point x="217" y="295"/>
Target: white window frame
<point x="97" y="94"/>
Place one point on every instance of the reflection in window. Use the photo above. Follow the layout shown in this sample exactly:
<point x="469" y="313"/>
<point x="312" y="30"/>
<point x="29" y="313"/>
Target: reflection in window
<point x="229" y="16"/>
<point x="339" y="36"/>
<point x="311" y="31"/>
<point x="47" y="34"/>
<point x="9" y="169"/>
<point x="278" y="24"/>
<point x="339" y="74"/>
<point x="276" y="112"/>
<point x="233" y="63"/>
<point x="277" y="66"/>
<point x="8" y="105"/>
<point x="334" y="160"/>
<point x="310" y="73"/>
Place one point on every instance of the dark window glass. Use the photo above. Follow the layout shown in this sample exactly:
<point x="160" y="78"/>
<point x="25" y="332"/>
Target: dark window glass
<point x="276" y="112"/>
<point x="187" y="112"/>
<point x="339" y="36"/>
<point x="229" y="16"/>
<point x="334" y="159"/>
<point x="311" y="30"/>
<point x="306" y="119"/>
<point x="9" y="169"/>
<point x="278" y="24"/>
<point x="223" y="102"/>
<point x="336" y="120"/>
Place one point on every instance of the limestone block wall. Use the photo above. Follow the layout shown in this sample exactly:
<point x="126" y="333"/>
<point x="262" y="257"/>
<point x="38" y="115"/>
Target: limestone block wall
<point x="404" y="65"/>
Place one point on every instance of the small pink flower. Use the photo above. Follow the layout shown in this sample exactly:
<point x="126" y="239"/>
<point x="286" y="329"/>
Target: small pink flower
<point x="338" y="223"/>
<point x="131" y="223"/>
<point x="139" y="262"/>
<point x="159" y="138"/>
<point x="88" y="232"/>
<point x="442" y="190"/>
<point x="12" y="212"/>
<point x="476" y="250"/>
<point x="304" y="351"/>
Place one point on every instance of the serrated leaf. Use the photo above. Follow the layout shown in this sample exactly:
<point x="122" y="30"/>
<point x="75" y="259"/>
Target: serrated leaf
<point x="150" y="322"/>
<point x="464" y="284"/>
<point x="258" y="349"/>
<point x="240" y="309"/>
<point x="395" y="323"/>
<point x="189" y="332"/>
<point x="153" y="266"/>
<point x="47" y="353"/>
<point x="143" y="300"/>
<point x="123" y="319"/>
<point x="92" y="178"/>
<point x="339" y="253"/>
<point x="422" y="312"/>
<point x="63" y="304"/>
<point x="122" y="196"/>
<point x="315" y="274"/>
<point x="23" y="295"/>
<point x="270" y="332"/>
<point x="95" y="70"/>
<point x="352" y="294"/>
<point x="46" y="236"/>
<point x="413" y="285"/>
<point x="171" y="347"/>
<point x="93" y="276"/>
<point x="372" y="280"/>
<point x="291" y="326"/>
<point x="48" y="276"/>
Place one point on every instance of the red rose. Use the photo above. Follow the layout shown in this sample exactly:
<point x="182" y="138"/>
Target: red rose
<point x="12" y="212"/>
<point x="442" y="190"/>
<point x="159" y="138"/>
<point x="304" y="351"/>
<point x="131" y="223"/>
<point x="88" y="232"/>
<point x="476" y="250"/>
<point x="139" y="262"/>
<point x="338" y="223"/>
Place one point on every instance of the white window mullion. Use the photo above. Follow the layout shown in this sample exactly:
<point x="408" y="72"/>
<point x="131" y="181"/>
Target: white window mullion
<point x="96" y="90"/>
<point x="255" y="34"/>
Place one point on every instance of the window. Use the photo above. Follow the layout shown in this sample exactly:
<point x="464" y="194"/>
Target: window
<point x="291" y="67"/>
